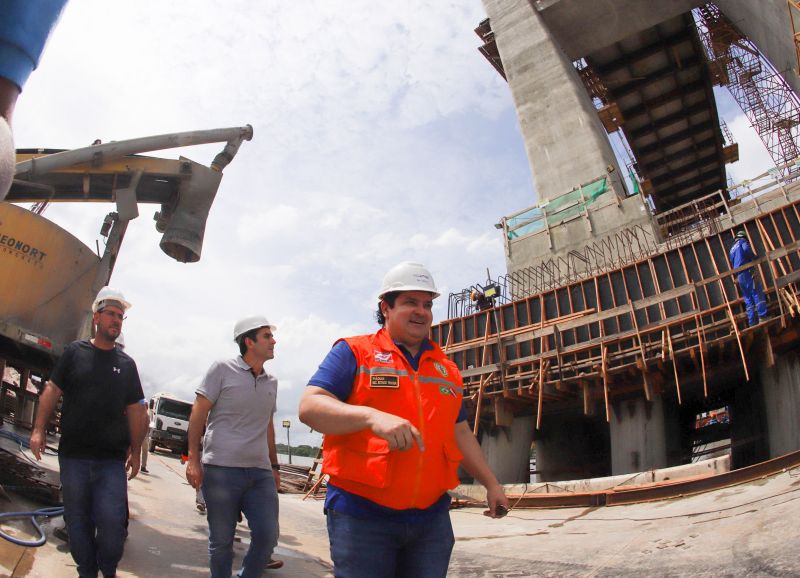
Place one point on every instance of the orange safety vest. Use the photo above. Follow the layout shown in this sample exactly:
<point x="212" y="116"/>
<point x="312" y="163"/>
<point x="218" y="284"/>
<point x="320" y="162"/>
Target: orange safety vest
<point x="430" y="398"/>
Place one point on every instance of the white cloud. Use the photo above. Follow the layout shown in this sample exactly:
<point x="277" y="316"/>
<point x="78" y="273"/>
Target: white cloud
<point x="754" y="158"/>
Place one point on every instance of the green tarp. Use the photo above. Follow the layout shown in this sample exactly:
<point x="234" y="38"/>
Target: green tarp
<point x="557" y="210"/>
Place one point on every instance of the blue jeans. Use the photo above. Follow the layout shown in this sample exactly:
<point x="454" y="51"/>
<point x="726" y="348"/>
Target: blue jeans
<point x="229" y="491"/>
<point x="95" y="496"/>
<point x="384" y="549"/>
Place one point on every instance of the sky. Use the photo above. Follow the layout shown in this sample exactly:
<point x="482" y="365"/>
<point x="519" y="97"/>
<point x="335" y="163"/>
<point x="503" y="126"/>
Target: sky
<point x="380" y="135"/>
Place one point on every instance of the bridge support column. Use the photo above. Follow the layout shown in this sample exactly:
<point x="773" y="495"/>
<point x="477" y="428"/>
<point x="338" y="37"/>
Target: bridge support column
<point x="638" y="430"/>
<point x="781" y="387"/>
<point x="559" y="123"/>
<point x="507" y="450"/>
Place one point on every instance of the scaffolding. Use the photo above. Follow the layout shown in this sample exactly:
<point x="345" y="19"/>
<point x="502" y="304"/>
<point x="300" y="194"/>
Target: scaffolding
<point x="770" y="105"/>
<point x="667" y="321"/>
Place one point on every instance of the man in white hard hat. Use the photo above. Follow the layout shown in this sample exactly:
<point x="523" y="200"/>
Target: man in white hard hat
<point x="102" y="427"/>
<point x="390" y="406"/>
<point x="238" y="471"/>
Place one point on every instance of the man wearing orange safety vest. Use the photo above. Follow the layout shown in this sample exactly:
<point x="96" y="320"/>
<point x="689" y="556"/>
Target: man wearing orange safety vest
<point x="390" y="406"/>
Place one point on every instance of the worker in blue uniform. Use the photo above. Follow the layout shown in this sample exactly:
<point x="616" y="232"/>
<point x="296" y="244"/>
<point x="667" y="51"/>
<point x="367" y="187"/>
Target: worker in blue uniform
<point x="741" y="254"/>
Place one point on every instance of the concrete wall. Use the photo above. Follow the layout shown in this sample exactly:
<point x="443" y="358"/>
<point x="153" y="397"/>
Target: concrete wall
<point x="563" y="136"/>
<point x="508" y="449"/>
<point x="781" y="384"/>
<point x="638" y="436"/>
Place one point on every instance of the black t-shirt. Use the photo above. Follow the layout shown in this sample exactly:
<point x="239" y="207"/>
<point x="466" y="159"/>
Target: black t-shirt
<point x="98" y="385"/>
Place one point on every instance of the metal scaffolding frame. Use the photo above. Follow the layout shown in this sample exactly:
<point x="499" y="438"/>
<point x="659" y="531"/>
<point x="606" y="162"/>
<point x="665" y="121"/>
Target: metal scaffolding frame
<point x="665" y="322"/>
<point x="770" y="105"/>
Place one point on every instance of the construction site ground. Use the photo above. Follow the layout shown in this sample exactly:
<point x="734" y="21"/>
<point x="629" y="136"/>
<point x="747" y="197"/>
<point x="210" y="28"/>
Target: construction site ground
<point x="750" y="529"/>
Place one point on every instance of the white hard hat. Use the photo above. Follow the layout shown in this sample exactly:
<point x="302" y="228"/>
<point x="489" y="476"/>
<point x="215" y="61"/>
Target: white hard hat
<point x="249" y="323"/>
<point x="408" y="276"/>
<point x="109" y="294"/>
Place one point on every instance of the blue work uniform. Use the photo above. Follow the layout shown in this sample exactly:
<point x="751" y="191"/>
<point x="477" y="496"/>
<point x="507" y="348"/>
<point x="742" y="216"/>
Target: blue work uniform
<point x="741" y="254"/>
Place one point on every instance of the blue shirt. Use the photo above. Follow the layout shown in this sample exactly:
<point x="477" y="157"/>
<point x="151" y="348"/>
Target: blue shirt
<point x="336" y="374"/>
<point x="741" y="253"/>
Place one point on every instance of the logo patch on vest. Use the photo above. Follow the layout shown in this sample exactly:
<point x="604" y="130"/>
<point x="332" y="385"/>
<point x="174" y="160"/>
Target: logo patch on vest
<point x="383" y="356"/>
<point x="440" y="368"/>
<point x="384" y="381"/>
<point x="447" y="390"/>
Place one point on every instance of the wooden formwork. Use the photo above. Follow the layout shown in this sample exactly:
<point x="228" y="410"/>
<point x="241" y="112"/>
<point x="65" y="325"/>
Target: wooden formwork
<point x="650" y="324"/>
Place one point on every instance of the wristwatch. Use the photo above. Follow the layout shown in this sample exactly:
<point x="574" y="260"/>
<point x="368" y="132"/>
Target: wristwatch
<point x="276" y="466"/>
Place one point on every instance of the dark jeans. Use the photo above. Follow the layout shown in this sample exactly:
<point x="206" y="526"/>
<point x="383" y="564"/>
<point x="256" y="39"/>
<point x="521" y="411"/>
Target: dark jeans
<point x="383" y="549"/>
<point x="229" y="491"/>
<point x="95" y="496"/>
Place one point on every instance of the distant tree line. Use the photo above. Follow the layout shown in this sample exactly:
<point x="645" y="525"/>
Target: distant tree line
<point x="307" y="451"/>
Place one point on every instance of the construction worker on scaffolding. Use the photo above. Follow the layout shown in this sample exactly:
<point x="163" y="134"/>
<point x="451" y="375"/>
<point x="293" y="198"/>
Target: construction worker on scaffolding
<point x="756" y="304"/>
<point x="390" y="406"/>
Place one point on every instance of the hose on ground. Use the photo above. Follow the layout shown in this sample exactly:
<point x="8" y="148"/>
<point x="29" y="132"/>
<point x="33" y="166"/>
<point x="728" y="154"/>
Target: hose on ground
<point x="42" y="513"/>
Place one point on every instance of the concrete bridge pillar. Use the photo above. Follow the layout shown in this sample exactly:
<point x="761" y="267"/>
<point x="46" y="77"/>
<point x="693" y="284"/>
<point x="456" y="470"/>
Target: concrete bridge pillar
<point x="564" y="138"/>
<point x="781" y="387"/>
<point x="507" y="449"/>
<point x="638" y="431"/>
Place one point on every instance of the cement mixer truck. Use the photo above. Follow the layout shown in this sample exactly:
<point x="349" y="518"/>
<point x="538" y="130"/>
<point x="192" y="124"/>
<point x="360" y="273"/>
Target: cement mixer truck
<point x="49" y="277"/>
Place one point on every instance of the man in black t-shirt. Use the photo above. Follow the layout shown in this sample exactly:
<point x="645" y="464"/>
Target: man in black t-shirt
<point x="103" y="419"/>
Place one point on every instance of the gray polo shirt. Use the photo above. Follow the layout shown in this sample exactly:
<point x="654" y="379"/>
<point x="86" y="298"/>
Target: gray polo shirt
<point x="236" y="435"/>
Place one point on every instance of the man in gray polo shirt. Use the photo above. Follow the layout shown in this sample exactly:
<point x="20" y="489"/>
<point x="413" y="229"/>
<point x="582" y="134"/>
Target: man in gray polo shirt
<point x="239" y="465"/>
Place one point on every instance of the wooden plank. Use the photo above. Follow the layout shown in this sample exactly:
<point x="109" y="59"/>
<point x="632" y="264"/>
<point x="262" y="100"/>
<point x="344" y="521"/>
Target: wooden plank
<point x="674" y="367"/>
<point x="503" y="416"/>
<point x="588" y="406"/>
<point x="481" y="387"/>
<point x="492" y="367"/>
<point x="645" y="381"/>
<point x="542" y="371"/>
<point x="604" y="371"/>
<point x="794" y="277"/>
